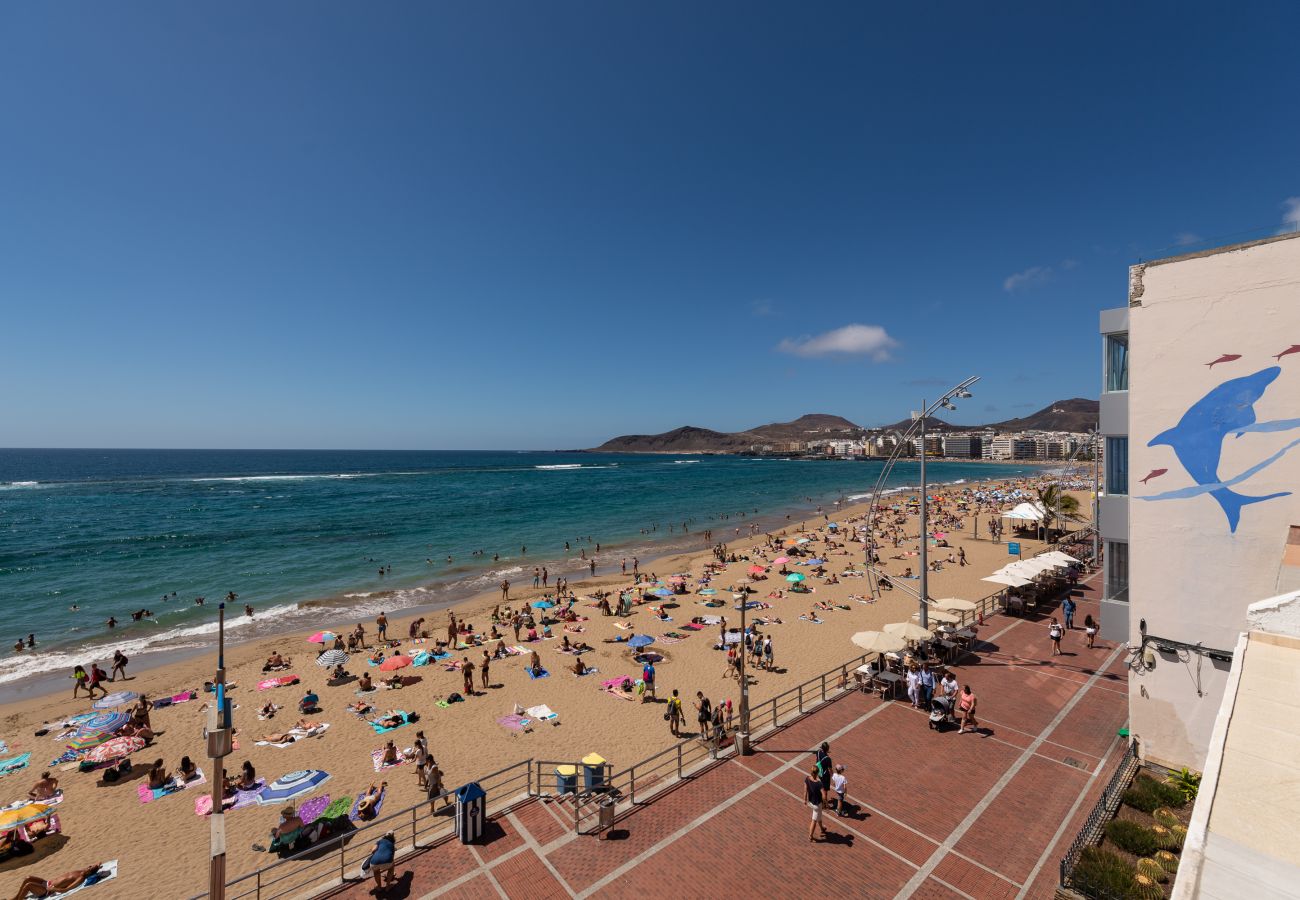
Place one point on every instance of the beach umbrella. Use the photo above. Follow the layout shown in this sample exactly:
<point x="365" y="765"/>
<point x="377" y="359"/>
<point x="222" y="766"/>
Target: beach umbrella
<point x="396" y="661"/>
<point x="331" y="658"/>
<point x="641" y="640"/>
<point x="756" y="570"/>
<point x="322" y="637"/>
<point x="105" y="722"/>
<point x="662" y="592"/>
<point x="794" y="577"/>
<point x="954" y="604"/>
<point x="744" y="581"/>
<point x="908" y="631"/>
<point x="878" y="642"/>
<point x="116" y="748"/>
<point x="21" y="815"/>
<point x="708" y="592"/>
<point x="120" y="698"/>
<point x="1009" y="579"/>
<point x="816" y="562"/>
<point x="293" y="784"/>
<point x="940" y="615"/>
<point x="542" y="604"/>
<point x="780" y="560"/>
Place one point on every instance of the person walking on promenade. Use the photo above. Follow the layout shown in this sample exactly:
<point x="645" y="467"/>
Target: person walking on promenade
<point x="1054" y="632"/>
<point x="1090" y="629"/>
<point x="1067" y="609"/>
<point x="812" y="792"/>
<point x="825" y="768"/>
<point x="966" y="703"/>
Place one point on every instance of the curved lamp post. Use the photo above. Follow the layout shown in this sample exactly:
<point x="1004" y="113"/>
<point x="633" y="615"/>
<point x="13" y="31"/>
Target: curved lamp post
<point x="959" y="392"/>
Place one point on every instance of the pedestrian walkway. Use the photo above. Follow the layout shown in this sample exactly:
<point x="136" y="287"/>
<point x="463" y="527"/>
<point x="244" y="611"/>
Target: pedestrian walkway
<point x="933" y="814"/>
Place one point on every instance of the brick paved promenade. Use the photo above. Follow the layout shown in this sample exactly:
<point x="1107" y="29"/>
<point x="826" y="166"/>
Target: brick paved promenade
<point x="934" y="814"/>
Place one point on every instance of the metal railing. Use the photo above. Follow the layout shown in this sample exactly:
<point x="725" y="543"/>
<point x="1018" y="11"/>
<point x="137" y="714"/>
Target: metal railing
<point x="1101" y="814"/>
<point x="326" y="864"/>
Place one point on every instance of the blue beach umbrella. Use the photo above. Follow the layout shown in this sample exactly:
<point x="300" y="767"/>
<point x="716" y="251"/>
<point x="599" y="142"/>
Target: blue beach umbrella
<point x="794" y="577"/>
<point x="120" y="698"/>
<point x="543" y="604"/>
<point x="816" y="562"/>
<point x="105" y="721"/>
<point x="294" y="784"/>
<point x="641" y="640"/>
<point x="662" y="592"/>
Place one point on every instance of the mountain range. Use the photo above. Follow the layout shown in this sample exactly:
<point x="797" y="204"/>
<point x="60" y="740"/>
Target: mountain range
<point x="1077" y="415"/>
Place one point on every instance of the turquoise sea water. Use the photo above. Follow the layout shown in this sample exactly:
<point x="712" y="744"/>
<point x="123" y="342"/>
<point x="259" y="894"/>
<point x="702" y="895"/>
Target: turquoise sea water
<point x="301" y="534"/>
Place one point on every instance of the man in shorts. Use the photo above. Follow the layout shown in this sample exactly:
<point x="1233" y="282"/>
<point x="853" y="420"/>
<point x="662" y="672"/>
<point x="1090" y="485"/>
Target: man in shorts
<point x="839" y="784"/>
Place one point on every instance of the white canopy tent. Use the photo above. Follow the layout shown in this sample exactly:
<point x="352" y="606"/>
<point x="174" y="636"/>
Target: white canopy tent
<point x="1026" y="512"/>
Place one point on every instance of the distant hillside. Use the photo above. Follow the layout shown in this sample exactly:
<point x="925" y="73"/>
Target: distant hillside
<point x="806" y="428"/>
<point x="1064" y="415"/>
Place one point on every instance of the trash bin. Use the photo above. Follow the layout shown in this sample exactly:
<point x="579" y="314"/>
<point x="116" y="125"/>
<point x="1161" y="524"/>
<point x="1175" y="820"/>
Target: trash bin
<point x="471" y="812"/>
<point x="606" y="810"/>
<point x="566" y="779"/>
<point x="593" y="772"/>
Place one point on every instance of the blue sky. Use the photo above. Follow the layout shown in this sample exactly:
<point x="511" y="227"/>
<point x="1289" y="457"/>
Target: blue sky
<point x="463" y="225"/>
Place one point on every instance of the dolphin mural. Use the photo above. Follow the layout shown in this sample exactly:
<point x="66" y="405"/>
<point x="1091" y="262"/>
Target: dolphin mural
<point x="1294" y="348"/>
<point x="1197" y="441"/>
<point x="1227" y="357"/>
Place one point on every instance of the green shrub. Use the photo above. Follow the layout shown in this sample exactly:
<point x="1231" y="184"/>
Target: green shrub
<point x="1141" y="800"/>
<point x="1130" y="836"/>
<point x="1186" y="782"/>
<point x="1101" y="873"/>
<point x="1172" y="796"/>
<point x="1167" y="861"/>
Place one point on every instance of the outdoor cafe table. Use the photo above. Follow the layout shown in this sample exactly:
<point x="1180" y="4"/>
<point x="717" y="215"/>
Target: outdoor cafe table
<point x="889" y="682"/>
<point x="948" y="648"/>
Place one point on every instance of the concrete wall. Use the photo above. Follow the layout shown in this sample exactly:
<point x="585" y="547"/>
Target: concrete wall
<point x="1193" y="569"/>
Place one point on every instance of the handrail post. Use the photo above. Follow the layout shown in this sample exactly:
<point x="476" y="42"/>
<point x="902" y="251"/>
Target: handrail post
<point x="414" y="839"/>
<point x="823" y="687"/>
<point x="259" y="884"/>
<point x="774" y="721"/>
<point x="343" y="866"/>
<point x="631" y="785"/>
<point x="800" y="699"/>
<point x="679" y="760"/>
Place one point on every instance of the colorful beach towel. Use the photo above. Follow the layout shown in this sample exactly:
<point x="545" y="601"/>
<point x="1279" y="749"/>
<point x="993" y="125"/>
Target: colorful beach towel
<point x="814" y="621"/>
<point x="339" y="806"/>
<point x="355" y="815"/>
<point x="514" y="722"/>
<point x="15" y="763"/>
<point x="380" y="729"/>
<point x="182" y="697"/>
<point x="377" y="760"/>
<point x="310" y="809"/>
<point x="148" y="794"/>
<point x="278" y="681"/>
<point x="203" y="802"/>
<point x="535" y="675"/>
<point x="298" y="735"/>
<point x="691" y="626"/>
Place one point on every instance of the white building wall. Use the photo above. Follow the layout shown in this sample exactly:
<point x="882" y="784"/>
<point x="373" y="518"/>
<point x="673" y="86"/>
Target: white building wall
<point x="1191" y="574"/>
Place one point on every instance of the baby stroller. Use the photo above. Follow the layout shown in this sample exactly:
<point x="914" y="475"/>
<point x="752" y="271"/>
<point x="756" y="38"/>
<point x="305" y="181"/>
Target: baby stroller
<point x="941" y="713"/>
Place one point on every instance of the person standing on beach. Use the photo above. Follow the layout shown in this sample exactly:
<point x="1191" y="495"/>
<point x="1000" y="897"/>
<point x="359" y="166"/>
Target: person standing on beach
<point x="675" y="714"/>
<point x="451" y="631"/>
<point x="381" y="625"/>
<point x="467" y="669"/>
<point x="483" y="668"/>
<point x="505" y="588"/>
<point x="593" y="565"/>
<point x="119" y="665"/>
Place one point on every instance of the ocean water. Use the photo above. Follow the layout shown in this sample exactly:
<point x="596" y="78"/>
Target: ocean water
<point x="301" y="535"/>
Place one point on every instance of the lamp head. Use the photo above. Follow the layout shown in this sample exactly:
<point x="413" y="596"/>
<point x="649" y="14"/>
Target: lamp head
<point x="964" y="394"/>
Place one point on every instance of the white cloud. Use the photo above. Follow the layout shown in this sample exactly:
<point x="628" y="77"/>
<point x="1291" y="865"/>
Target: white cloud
<point x="1291" y="214"/>
<point x="1034" y="276"/>
<point x="1186" y="238"/>
<point x="851" y="340"/>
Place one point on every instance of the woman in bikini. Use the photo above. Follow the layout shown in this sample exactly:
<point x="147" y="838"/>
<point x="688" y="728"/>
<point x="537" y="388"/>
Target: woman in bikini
<point x="35" y="886"/>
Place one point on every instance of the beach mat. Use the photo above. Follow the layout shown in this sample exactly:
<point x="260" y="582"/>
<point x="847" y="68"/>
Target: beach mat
<point x="535" y="676"/>
<point x="148" y="794"/>
<point x="109" y="870"/>
<point x="380" y="729"/>
<point x="15" y="763"/>
<point x="377" y="756"/>
<point x="339" y="806"/>
<point x="203" y="802"/>
<point x="354" y="815"/>
<point x="310" y="809"/>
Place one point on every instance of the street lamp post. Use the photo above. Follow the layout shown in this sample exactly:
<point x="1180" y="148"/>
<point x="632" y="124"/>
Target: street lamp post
<point x="925" y="531"/>
<point x="219" y="733"/>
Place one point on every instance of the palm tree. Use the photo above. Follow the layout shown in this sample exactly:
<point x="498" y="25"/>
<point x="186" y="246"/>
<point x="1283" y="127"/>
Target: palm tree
<point x="1054" y="500"/>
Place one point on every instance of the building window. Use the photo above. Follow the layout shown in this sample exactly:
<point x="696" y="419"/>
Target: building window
<point x="1117" y="465"/>
<point x="1117" y="362"/>
<point x="1117" y="570"/>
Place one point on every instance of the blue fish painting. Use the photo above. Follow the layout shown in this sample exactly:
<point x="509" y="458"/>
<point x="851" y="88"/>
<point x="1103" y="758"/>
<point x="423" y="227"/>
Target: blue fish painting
<point x="1197" y="441"/>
